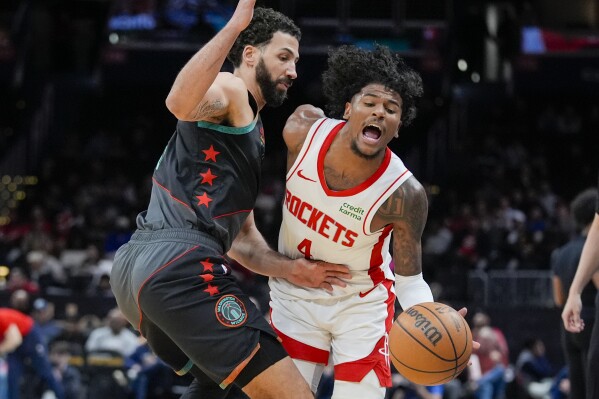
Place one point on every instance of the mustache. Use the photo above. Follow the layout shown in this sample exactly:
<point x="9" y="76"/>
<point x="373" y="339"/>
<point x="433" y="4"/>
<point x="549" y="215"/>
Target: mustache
<point x="287" y="81"/>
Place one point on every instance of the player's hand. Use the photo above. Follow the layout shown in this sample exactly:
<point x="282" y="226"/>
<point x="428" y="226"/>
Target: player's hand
<point x="571" y="314"/>
<point x="475" y="344"/>
<point x="243" y="14"/>
<point x="318" y="274"/>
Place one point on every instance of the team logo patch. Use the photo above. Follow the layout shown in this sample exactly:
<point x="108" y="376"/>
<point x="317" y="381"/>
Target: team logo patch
<point x="230" y="311"/>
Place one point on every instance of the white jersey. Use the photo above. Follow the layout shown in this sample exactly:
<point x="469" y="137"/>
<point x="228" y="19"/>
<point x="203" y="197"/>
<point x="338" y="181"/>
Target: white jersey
<point x="320" y="223"/>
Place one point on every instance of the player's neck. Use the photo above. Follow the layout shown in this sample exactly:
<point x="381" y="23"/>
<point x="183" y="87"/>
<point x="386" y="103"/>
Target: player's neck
<point x="248" y="75"/>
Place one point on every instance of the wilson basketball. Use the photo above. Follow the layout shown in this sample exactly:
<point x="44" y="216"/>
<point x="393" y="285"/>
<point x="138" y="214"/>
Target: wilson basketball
<point x="430" y="343"/>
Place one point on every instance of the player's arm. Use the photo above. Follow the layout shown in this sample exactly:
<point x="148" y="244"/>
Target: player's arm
<point x="192" y="96"/>
<point x="588" y="265"/>
<point x="252" y="251"/>
<point x="12" y="339"/>
<point x="407" y="210"/>
<point x="297" y="127"/>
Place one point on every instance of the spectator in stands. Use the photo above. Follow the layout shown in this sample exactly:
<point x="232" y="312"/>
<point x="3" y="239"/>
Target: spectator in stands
<point x="74" y="330"/>
<point x="415" y="391"/>
<point x="113" y="336"/>
<point x="22" y="343"/>
<point x="404" y="389"/>
<point x="534" y="372"/>
<point x="21" y="301"/>
<point x="46" y="270"/>
<point x="149" y="376"/>
<point x="43" y="314"/>
<point x="19" y="280"/>
<point x="3" y="378"/>
<point x="487" y="373"/>
<point x="67" y="375"/>
<point x="481" y="319"/>
<point x="562" y="386"/>
<point x="564" y="262"/>
<point x="38" y="237"/>
<point x="101" y="287"/>
<point x="488" y="368"/>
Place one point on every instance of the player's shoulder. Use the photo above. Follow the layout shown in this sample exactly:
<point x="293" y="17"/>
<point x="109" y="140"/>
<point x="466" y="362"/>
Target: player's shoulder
<point x="412" y="194"/>
<point x="299" y="123"/>
<point x="230" y="83"/>
<point x="413" y="186"/>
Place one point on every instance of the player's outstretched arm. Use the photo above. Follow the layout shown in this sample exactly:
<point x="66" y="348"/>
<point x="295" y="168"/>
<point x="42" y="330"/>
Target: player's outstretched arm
<point x="588" y="265"/>
<point x="252" y="251"/>
<point x="407" y="210"/>
<point x="186" y="99"/>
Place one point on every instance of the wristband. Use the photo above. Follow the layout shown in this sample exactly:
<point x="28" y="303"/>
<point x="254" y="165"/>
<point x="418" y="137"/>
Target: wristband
<point x="411" y="290"/>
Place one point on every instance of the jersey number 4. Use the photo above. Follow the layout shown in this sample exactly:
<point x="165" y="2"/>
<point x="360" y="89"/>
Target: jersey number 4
<point x="304" y="247"/>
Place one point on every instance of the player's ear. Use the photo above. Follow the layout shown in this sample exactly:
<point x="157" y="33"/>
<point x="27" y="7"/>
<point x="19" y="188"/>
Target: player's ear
<point x="397" y="131"/>
<point x="347" y="111"/>
<point x="250" y="55"/>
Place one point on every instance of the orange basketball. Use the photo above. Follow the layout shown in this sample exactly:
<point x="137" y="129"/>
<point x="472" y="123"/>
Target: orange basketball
<point x="430" y="343"/>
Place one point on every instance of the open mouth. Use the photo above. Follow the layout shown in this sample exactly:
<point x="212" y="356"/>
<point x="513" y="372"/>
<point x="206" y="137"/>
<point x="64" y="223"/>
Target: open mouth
<point x="371" y="133"/>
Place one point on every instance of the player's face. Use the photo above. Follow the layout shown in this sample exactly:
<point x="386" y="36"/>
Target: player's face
<point x="275" y="70"/>
<point x="374" y="116"/>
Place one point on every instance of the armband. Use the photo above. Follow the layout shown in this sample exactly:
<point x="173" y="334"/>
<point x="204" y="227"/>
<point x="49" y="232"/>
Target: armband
<point x="411" y="290"/>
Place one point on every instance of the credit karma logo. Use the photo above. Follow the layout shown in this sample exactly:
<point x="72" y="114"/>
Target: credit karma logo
<point x="354" y="212"/>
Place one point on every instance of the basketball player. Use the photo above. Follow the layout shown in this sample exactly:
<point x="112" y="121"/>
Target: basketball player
<point x="172" y="280"/>
<point x="347" y="196"/>
<point x="587" y="267"/>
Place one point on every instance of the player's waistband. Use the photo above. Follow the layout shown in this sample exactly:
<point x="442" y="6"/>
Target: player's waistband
<point x="187" y="235"/>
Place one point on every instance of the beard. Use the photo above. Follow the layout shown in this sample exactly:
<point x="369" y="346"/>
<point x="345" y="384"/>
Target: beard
<point x="356" y="150"/>
<point x="273" y="96"/>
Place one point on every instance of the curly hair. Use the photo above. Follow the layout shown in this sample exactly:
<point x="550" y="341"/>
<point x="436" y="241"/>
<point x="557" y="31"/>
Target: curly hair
<point x="265" y="23"/>
<point x="350" y="69"/>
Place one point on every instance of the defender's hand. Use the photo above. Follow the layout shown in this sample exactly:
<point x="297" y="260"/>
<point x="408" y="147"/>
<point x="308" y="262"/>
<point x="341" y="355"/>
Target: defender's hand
<point x="314" y="274"/>
<point x="243" y="14"/>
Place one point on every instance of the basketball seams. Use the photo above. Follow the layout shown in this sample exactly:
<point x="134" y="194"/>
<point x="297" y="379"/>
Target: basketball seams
<point x="421" y="344"/>
<point x="452" y="370"/>
<point x="455" y="352"/>
<point x="446" y="330"/>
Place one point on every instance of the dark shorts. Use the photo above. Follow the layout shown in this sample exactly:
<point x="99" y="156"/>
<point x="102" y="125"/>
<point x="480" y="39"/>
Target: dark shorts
<point x="176" y="288"/>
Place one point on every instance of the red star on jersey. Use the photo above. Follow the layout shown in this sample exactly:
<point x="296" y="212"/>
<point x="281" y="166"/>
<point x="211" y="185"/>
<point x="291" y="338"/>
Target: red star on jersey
<point x="203" y="199"/>
<point x="211" y="153"/>
<point x="208" y="177"/>
<point x="212" y="290"/>
<point x="207" y="266"/>
<point x="207" y="277"/>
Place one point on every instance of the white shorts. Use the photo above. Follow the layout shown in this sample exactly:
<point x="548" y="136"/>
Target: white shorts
<point x="352" y="331"/>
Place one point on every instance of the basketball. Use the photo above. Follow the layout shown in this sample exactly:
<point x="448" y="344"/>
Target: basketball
<point x="430" y="343"/>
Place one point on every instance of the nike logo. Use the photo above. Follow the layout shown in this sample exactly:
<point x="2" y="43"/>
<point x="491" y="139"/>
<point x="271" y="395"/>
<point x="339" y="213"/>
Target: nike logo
<point x="300" y="174"/>
<point x="363" y="294"/>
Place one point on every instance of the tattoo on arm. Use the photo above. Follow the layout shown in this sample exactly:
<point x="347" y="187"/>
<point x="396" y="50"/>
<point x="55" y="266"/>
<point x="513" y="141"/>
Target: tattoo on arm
<point x="406" y="210"/>
<point x="209" y="109"/>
